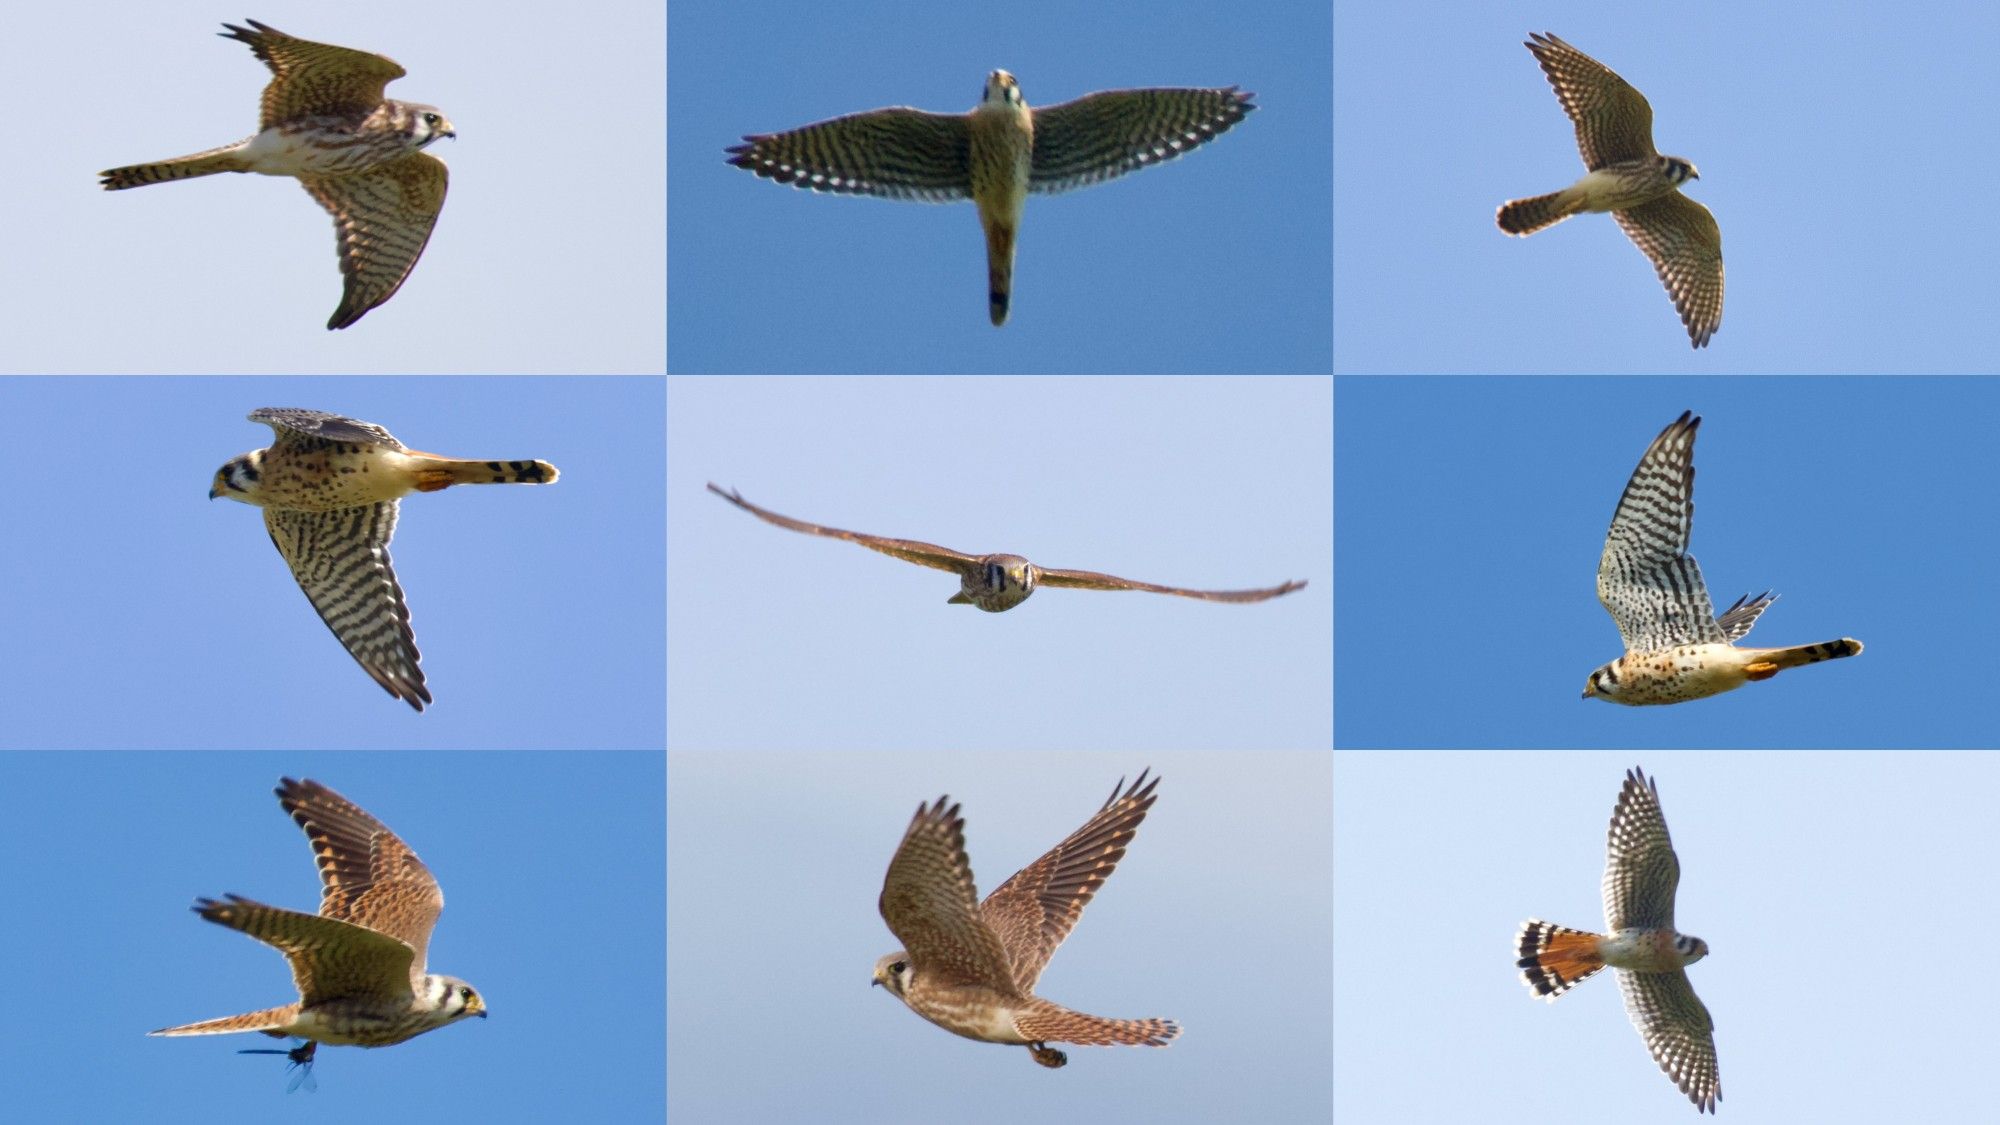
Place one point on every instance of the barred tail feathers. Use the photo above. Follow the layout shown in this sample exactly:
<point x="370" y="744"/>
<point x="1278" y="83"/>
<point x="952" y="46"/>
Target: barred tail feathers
<point x="228" y="158"/>
<point x="1044" y="1022"/>
<point x="1523" y="217"/>
<point x="1554" y="958"/>
<point x="270" y="1021"/>
<point x="1770" y="661"/>
<point x="443" y="472"/>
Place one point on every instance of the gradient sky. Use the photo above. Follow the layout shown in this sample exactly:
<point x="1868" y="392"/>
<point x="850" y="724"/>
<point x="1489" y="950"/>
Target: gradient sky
<point x="155" y="618"/>
<point x="560" y="930"/>
<point x="548" y="257"/>
<point x="1472" y="513"/>
<point x="778" y="640"/>
<point x="1216" y="263"/>
<point x="1217" y="917"/>
<point x="1830" y="887"/>
<point x="1832" y="142"/>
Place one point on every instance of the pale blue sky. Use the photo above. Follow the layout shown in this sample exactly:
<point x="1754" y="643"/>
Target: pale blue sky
<point x="779" y="640"/>
<point x="1215" y="262"/>
<point x="560" y="929"/>
<point x="548" y="257"/>
<point x="1217" y="917"/>
<point x="1831" y="888"/>
<point x="1836" y="144"/>
<point x="146" y="615"/>
<point x="1472" y="514"/>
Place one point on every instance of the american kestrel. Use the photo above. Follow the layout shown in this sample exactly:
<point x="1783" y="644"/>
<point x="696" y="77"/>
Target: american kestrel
<point x="1640" y="874"/>
<point x="996" y="155"/>
<point x="324" y="120"/>
<point x="1630" y="179"/>
<point x="329" y="488"/>
<point x="971" y="967"/>
<point x="1676" y="649"/>
<point x="359" y="962"/>
<point x="995" y="582"/>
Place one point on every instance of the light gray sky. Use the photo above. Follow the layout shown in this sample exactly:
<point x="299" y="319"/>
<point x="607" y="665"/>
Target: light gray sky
<point x="549" y="256"/>
<point x="1842" y="896"/>
<point x="1217" y="917"/>
<point x="780" y="640"/>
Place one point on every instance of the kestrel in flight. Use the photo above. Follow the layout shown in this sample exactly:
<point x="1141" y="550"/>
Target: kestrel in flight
<point x="995" y="155"/>
<point x="325" y="121"/>
<point x="359" y="962"/>
<point x="971" y="967"/>
<point x="995" y="582"/>
<point x="1676" y="649"/>
<point x="1629" y="178"/>
<point x="1640" y="875"/>
<point x="329" y="487"/>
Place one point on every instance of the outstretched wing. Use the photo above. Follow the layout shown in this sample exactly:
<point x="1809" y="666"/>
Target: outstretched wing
<point x="1613" y="120"/>
<point x="909" y="550"/>
<point x="1104" y="135"/>
<point x="930" y="903"/>
<point x="314" y="79"/>
<point x="1678" y="1032"/>
<point x="293" y="422"/>
<point x="1036" y="909"/>
<point x="1641" y="871"/>
<point x="341" y="561"/>
<point x="1091" y="580"/>
<point x="1646" y="578"/>
<point x="897" y="153"/>
<point x="330" y="959"/>
<point x="370" y="876"/>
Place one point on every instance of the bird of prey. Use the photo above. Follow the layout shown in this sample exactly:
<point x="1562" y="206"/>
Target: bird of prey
<point x="1629" y="178"/>
<point x="1676" y="648"/>
<point x="330" y="488"/>
<point x="325" y="121"/>
<point x="1641" y="874"/>
<point x="995" y="582"/>
<point x="971" y="967"/>
<point x="358" y="963"/>
<point x="995" y="155"/>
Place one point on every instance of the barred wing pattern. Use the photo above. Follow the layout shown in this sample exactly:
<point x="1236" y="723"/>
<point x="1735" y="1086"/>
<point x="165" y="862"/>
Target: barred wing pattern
<point x="1105" y="135"/>
<point x="1646" y="578"/>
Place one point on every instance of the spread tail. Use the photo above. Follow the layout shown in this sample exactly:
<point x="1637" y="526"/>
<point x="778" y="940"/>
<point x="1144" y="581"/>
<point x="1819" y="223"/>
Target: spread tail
<point x="270" y="1021"/>
<point x="1554" y="958"/>
<point x="1526" y="216"/>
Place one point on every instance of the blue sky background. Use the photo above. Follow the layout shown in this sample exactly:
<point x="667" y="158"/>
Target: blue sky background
<point x="1815" y="878"/>
<point x="146" y="616"/>
<point x="1832" y="142"/>
<point x="1217" y="917"/>
<point x="552" y="870"/>
<point x="1472" y="512"/>
<point x="779" y="640"/>
<point x="1217" y="262"/>
<point x="548" y="257"/>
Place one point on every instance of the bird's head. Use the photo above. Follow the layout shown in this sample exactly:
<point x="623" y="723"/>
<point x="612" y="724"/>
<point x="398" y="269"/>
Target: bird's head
<point x="1603" y="683"/>
<point x="455" y="999"/>
<point x="1691" y="949"/>
<point x="239" y="478"/>
<point x="1681" y="171"/>
<point x="1001" y="90"/>
<point x="425" y="123"/>
<point x="893" y="973"/>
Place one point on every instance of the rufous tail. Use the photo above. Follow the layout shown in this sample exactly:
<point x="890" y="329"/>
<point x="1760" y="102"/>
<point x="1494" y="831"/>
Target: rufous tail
<point x="1771" y="661"/>
<point x="1044" y="1022"/>
<point x="268" y="1021"/>
<point x="443" y="472"/>
<point x="1554" y="958"/>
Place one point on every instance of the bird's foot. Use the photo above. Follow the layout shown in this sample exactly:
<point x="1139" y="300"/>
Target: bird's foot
<point x="1762" y="670"/>
<point x="1046" y="1055"/>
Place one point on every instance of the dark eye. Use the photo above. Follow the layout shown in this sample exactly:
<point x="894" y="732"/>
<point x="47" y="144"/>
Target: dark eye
<point x="900" y="967"/>
<point x="431" y="119"/>
<point x="465" y="994"/>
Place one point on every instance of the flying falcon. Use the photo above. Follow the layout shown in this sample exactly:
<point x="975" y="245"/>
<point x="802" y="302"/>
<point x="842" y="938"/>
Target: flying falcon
<point x="1629" y="178"/>
<point x="971" y="967"/>
<point x="1676" y="649"/>
<point x="995" y="155"/>
<point x="325" y="121"/>
<point x="1641" y="874"/>
<point x="995" y="582"/>
<point x="359" y="962"/>
<point x="330" y="488"/>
